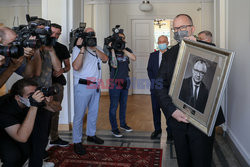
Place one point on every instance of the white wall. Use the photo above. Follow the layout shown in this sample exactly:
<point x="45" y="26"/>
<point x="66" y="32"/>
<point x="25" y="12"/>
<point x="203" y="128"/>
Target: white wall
<point x="122" y="13"/>
<point x="239" y="80"/>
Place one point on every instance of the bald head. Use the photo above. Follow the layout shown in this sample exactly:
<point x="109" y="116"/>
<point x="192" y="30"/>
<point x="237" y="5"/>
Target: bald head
<point x="205" y="36"/>
<point x="7" y="35"/>
<point x="89" y="29"/>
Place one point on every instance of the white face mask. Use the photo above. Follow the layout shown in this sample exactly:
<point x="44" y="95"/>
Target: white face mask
<point x="25" y="101"/>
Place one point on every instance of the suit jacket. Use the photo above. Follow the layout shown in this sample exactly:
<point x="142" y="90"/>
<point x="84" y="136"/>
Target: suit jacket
<point x="165" y="74"/>
<point x="153" y="67"/>
<point x="186" y="95"/>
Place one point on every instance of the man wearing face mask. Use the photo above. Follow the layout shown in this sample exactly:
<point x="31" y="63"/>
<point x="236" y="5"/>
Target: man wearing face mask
<point x="18" y="111"/>
<point x="193" y="147"/>
<point x="153" y="67"/>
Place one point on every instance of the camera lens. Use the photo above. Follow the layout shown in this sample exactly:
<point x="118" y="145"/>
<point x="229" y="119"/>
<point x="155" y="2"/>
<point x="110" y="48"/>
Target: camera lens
<point x="12" y="51"/>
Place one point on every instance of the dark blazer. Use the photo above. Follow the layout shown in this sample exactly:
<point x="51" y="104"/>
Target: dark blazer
<point x="153" y="67"/>
<point x="165" y="74"/>
<point x="186" y="95"/>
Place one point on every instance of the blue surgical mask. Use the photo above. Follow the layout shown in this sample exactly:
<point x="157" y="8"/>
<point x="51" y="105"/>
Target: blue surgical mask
<point x="179" y="35"/>
<point x="162" y="46"/>
<point x="25" y="101"/>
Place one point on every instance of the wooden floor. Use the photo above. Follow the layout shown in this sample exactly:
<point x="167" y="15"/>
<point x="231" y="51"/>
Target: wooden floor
<point x="139" y="113"/>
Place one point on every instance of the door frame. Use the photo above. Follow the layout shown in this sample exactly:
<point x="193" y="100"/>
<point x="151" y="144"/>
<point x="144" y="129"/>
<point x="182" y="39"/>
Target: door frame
<point x="129" y="36"/>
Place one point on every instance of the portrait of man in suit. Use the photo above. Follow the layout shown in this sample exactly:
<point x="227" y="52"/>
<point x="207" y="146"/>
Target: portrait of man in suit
<point x="193" y="90"/>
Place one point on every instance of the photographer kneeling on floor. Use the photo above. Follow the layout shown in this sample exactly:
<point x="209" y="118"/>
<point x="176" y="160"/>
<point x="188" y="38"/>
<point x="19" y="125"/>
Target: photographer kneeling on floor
<point x="18" y="111"/>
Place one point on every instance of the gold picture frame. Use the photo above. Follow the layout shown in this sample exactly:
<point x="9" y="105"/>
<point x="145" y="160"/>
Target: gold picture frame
<point x="216" y="64"/>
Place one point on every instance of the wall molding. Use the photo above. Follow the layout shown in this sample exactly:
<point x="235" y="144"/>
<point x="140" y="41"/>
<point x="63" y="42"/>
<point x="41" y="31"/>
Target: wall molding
<point x="19" y="3"/>
<point x="240" y="151"/>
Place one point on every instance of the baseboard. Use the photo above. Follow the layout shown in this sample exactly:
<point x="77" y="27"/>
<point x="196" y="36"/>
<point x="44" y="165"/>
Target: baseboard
<point x="104" y="93"/>
<point x="238" y="149"/>
<point x="65" y="127"/>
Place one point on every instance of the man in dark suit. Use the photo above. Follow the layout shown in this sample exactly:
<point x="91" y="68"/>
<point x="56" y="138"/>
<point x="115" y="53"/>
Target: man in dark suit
<point x="153" y="66"/>
<point x="193" y="147"/>
<point x="193" y="90"/>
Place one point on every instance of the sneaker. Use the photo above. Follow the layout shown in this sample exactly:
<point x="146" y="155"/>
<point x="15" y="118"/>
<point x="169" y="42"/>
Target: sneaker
<point x="126" y="128"/>
<point x="59" y="142"/>
<point x="48" y="164"/>
<point x="117" y="133"/>
<point x="95" y="139"/>
<point x="79" y="149"/>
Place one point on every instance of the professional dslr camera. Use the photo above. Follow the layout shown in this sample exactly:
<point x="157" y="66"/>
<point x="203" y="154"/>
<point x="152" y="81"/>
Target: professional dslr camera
<point x="11" y="51"/>
<point x="117" y="42"/>
<point x="50" y="91"/>
<point x="89" y="38"/>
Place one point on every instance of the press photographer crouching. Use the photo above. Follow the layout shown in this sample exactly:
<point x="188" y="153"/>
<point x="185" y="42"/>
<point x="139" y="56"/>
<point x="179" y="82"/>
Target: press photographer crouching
<point x="18" y="111"/>
<point x="11" y="56"/>
<point x="119" y="59"/>
<point x="87" y="58"/>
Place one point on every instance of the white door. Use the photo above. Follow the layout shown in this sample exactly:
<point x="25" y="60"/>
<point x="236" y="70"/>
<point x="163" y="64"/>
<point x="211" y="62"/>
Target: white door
<point x="142" y="46"/>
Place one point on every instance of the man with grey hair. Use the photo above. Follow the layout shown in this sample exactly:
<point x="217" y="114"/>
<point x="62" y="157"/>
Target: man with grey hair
<point x="193" y="90"/>
<point x="205" y="36"/>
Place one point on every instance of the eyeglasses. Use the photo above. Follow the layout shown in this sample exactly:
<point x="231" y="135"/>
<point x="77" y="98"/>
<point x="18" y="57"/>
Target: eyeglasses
<point x="199" y="72"/>
<point x="181" y="28"/>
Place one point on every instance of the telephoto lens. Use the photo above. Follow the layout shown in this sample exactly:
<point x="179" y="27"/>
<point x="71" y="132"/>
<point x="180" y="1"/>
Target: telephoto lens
<point x="12" y="51"/>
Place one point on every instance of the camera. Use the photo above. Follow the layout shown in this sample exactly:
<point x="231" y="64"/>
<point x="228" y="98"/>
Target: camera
<point x="43" y="35"/>
<point x="23" y="34"/>
<point x="12" y="51"/>
<point x="49" y="91"/>
<point x="89" y="38"/>
<point x="117" y="42"/>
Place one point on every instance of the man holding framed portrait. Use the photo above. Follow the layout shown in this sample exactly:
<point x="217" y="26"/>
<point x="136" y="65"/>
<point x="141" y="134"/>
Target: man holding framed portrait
<point x="193" y="147"/>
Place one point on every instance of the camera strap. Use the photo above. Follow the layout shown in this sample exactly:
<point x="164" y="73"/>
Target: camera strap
<point x="98" y="63"/>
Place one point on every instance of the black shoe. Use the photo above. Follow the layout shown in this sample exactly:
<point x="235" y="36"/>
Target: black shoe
<point x="95" y="139"/>
<point x="59" y="142"/>
<point x="155" y="134"/>
<point x="126" y="128"/>
<point x="117" y="133"/>
<point x="79" y="149"/>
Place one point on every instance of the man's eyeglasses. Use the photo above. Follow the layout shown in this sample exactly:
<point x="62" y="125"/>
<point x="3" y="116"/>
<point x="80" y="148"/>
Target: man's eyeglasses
<point x="199" y="72"/>
<point x="181" y="28"/>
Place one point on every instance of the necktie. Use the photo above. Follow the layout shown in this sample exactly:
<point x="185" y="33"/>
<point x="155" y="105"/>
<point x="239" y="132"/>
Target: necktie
<point x="195" y="92"/>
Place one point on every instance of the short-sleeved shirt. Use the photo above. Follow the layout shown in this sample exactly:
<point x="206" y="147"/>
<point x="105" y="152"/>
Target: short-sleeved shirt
<point x="62" y="53"/>
<point x="123" y="65"/>
<point x="10" y="113"/>
<point x="89" y="69"/>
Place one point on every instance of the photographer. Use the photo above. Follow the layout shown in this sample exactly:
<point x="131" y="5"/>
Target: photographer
<point x="13" y="62"/>
<point x="40" y="69"/>
<point x="18" y="111"/>
<point x="119" y="60"/>
<point x="58" y="80"/>
<point x="87" y="72"/>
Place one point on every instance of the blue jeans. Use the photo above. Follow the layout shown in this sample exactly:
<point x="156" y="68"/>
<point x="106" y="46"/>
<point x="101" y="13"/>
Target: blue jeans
<point x="118" y="95"/>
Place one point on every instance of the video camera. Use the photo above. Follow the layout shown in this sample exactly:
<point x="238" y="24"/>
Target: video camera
<point x="89" y="38"/>
<point x="43" y="35"/>
<point x="117" y="42"/>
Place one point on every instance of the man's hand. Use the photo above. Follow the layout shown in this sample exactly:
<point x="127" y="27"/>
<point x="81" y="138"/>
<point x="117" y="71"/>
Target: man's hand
<point x="2" y="60"/>
<point x="192" y="38"/>
<point x="38" y="96"/>
<point x="180" y="116"/>
<point x="28" y="52"/>
<point x="15" y="63"/>
<point x="58" y="73"/>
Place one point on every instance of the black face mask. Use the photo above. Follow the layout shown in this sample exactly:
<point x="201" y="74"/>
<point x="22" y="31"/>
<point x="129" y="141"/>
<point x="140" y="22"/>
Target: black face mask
<point x="179" y="35"/>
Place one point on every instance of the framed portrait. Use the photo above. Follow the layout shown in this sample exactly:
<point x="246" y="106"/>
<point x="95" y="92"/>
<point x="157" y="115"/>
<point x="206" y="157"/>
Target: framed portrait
<point x="199" y="80"/>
